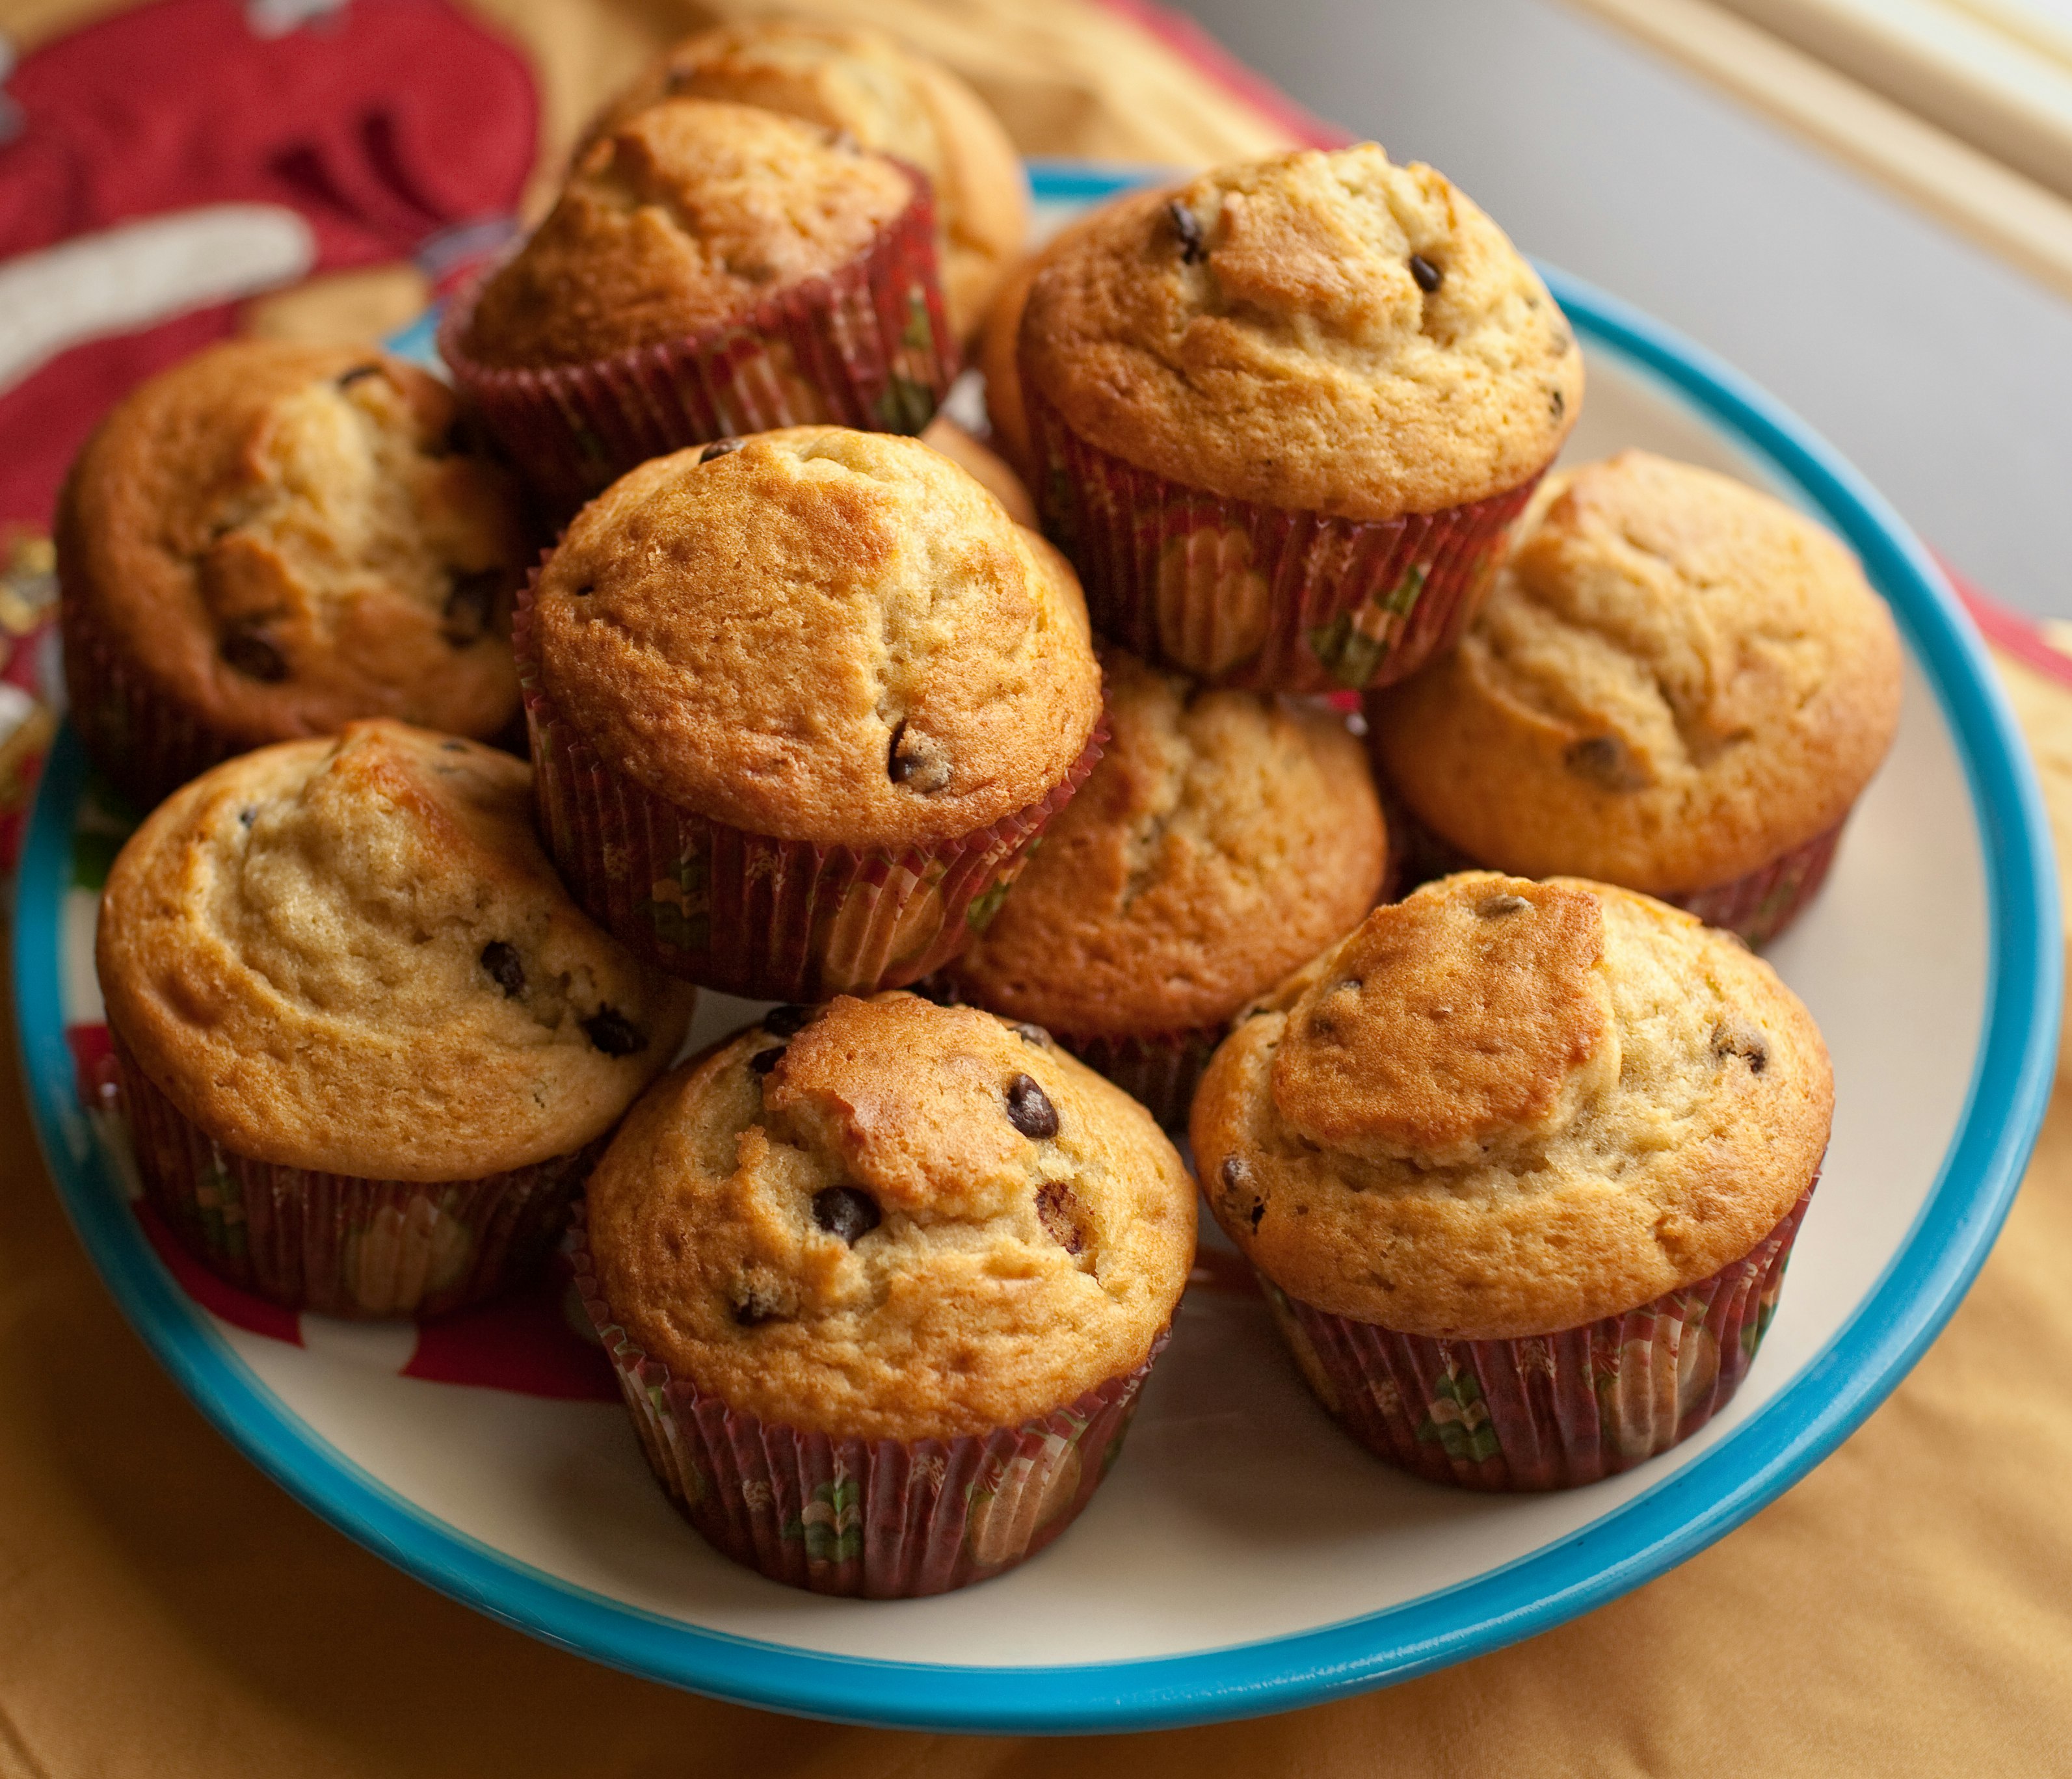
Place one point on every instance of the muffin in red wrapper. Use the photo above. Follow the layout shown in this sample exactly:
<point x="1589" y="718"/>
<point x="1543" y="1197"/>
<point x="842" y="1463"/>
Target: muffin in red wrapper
<point x="821" y="774"/>
<point x="1520" y="1165"/>
<point x="1224" y="837"/>
<point x="1283" y="419"/>
<point x="368" y="1046"/>
<point x="1677" y="685"/>
<point x="882" y="1281"/>
<point x="705" y="310"/>
<point x="269" y="541"/>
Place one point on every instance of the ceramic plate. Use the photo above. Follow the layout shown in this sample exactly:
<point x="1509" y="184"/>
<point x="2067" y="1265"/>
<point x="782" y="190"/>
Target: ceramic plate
<point x="1245" y="1556"/>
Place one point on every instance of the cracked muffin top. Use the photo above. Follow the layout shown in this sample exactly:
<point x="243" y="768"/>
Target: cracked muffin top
<point x="282" y="538"/>
<point x="677" y="220"/>
<point x="1501" y="1107"/>
<point x="1674" y="680"/>
<point x="820" y="635"/>
<point x="891" y="1220"/>
<point x="351" y="955"/>
<point x="1324" y="331"/>
<point x="1222" y="840"/>
<point x="891" y="101"/>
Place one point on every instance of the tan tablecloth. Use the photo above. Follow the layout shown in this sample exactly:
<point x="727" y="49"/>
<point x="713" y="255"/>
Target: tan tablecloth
<point x="165" y="1611"/>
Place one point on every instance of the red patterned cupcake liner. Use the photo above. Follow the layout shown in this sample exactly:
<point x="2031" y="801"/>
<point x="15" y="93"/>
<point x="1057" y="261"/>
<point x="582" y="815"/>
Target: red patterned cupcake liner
<point x="867" y="345"/>
<point x="1546" y="1410"/>
<point x="1241" y="594"/>
<point x="337" y="1243"/>
<point x="749" y="915"/>
<point x="1159" y="1070"/>
<point x="882" y="1519"/>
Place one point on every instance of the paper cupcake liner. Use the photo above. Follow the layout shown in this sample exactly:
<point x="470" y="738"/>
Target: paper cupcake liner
<point x="1549" y="1410"/>
<point x="337" y="1243"/>
<point x="867" y="345"/>
<point x="1241" y="594"/>
<point x="753" y="915"/>
<point x="884" y="1519"/>
<point x="1159" y="1070"/>
<point x="146" y="744"/>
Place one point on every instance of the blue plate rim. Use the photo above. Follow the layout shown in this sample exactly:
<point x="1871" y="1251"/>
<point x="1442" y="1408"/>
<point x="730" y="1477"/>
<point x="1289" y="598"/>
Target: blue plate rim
<point x="1647" y="1535"/>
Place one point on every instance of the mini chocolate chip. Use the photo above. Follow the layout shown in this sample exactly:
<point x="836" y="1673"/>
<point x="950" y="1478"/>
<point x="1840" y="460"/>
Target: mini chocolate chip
<point x="252" y="654"/>
<point x="1029" y="1110"/>
<point x="1188" y="228"/>
<point x="1496" y="907"/>
<point x="1604" y="760"/>
<point x="764" y="1061"/>
<point x="1426" y="273"/>
<point x="585" y="590"/>
<point x="1031" y="1034"/>
<point x="787" y="1021"/>
<point x="1057" y="1212"/>
<point x="1258" y="1211"/>
<point x="469" y="605"/>
<point x="1559" y="404"/>
<point x="915" y="761"/>
<point x="755" y="1307"/>
<point x="346" y="379"/>
<point x="719" y="447"/>
<point x="847" y="1211"/>
<point x="453" y="747"/>
<point x="613" y="1034"/>
<point x="246" y="817"/>
<point x="1738" y="1038"/>
<point x="507" y="971"/>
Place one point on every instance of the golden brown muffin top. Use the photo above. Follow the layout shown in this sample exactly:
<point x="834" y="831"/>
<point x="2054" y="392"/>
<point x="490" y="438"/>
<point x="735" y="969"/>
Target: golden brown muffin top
<point x="891" y="1220"/>
<point x="1501" y="1108"/>
<point x="1323" y="331"/>
<point x="891" y="101"/>
<point x="682" y="217"/>
<point x="1223" y="839"/>
<point x="1674" y="680"/>
<point x="283" y="538"/>
<point x="822" y="635"/>
<point x="351" y="954"/>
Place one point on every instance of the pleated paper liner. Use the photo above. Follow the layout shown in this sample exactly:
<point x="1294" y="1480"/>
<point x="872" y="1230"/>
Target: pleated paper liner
<point x="749" y="915"/>
<point x="1549" y="1410"/>
<point x="882" y="1519"/>
<point x="337" y="1243"/>
<point x="866" y="346"/>
<point x="1241" y="594"/>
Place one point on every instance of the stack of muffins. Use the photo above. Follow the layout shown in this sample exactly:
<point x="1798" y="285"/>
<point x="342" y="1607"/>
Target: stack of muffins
<point x="812" y="720"/>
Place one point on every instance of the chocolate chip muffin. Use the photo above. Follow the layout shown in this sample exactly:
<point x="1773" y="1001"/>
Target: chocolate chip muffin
<point x="889" y="100"/>
<point x="1520" y="1163"/>
<point x="1284" y="417"/>
<point x="822" y="771"/>
<point x="270" y="540"/>
<point x="881" y="1281"/>
<point x="369" y="1044"/>
<point x="1222" y="840"/>
<point x="1677" y="684"/>
<point x="710" y="269"/>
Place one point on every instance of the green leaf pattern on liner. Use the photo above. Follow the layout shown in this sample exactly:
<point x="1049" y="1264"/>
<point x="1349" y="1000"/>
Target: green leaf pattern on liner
<point x="1352" y="646"/>
<point x="918" y="335"/>
<point x="1458" y="1419"/>
<point x="984" y="906"/>
<point x="832" y="1523"/>
<point x="104" y="821"/>
<point x="220" y="1201"/>
<point x="677" y="907"/>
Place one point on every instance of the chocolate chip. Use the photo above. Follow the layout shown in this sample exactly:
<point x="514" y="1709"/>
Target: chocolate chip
<point x="915" y="761"/>
<point x="453" y="747"/>
<point x="719" y="447"/>
<point x="1193" y="251"/>
<point x="1029" y="1110"/>
<point x="469" y="605"/>
<point x="754" y="1307"/>
<point x="1496" y="907"/>
<point x="1738" y="1038"/>
<point x="1604" y="760"/>
<point x="1058" y="1212"/>
<point x="585" y="590"/>
<point x="764" y="1061"/>
<point x="346" y="379"/>
<point x="847" y="1211"/>
<point x="613" y="1034"/>
<point x="246" y="817"/>
<point x="1426" y="273"/>
<point x="253" y="656"/>
<point x="1031" y="1034"/>
<point x="507" y="971"/>
<point x="1559" y="404"/>
<point x="1258" y="1211"/>
<point x="787" y="1021"/>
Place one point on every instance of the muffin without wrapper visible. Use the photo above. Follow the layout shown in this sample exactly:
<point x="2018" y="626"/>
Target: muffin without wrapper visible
<point x="891" y="101"/>
<point x="880" y="1281"/>
<point x="368" y="1046"/>
<point x="1224" y="839"/>
<point x="818" y="773"/>
<point x="709" y="269"/>
<point x="1520" y="1165"/>
<point x="1284" y="418"/>
<point x="1677" y="684"/>
<point x="269" y="541"/>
